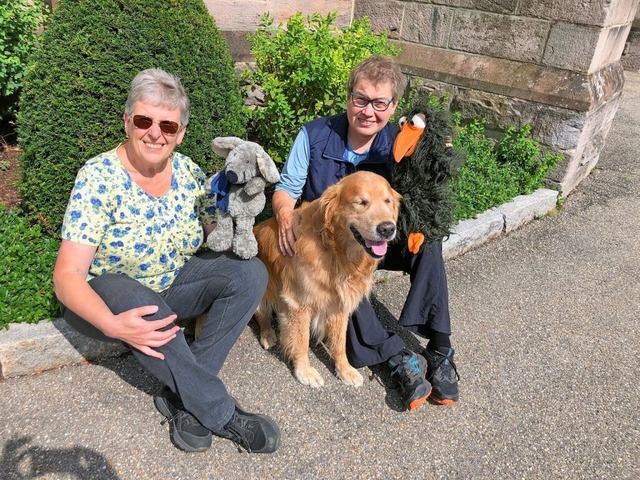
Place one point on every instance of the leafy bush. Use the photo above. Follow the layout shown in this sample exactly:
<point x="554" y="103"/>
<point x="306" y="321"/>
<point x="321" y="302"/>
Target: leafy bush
<point x="495" y="174"/>
<point x="73" y="98"/>
<point x="303" y="71"/>
<point x="26" y="288"/>
<point x="19" y="22"/>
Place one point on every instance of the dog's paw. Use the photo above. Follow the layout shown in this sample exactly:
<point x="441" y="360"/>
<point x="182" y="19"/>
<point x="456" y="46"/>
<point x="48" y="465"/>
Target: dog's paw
<point x="350" y="376"/>
<point x="268" y="339"/>
<point x="309" y="376"/>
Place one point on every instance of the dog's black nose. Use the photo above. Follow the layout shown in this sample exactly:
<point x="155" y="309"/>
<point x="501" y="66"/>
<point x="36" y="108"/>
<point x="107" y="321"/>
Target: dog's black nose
<point x="231" y="176"/>
<point x="386" y="229"/>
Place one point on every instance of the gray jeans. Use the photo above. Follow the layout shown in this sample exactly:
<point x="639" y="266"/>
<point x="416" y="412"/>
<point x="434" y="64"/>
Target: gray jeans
<point x="229" y="288"/>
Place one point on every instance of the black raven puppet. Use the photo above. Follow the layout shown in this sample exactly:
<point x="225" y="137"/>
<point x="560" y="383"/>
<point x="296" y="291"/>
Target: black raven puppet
<point x="427" y="160"/>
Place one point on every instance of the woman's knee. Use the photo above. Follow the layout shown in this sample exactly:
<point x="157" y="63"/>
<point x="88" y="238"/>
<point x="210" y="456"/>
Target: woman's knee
<point x="122" y="293"/>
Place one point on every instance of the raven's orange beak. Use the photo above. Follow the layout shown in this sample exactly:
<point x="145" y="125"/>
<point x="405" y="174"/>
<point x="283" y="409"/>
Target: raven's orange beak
<point x="409" y="136"/>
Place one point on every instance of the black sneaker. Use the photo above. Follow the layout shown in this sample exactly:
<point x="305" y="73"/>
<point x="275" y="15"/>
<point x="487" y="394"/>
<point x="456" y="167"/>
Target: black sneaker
<point x="408" y="369"/>
<point x="443" y="375"/>
<point x="251" y="431"/>
<point x="187" y="433"/>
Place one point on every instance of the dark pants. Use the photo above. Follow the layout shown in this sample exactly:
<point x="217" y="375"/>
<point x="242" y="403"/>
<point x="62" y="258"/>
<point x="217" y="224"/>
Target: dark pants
<point x="229" y="288"/>
<point x="426" y="308"/>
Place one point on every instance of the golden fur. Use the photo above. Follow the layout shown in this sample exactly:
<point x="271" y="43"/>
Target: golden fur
<point x="315" y="291"/>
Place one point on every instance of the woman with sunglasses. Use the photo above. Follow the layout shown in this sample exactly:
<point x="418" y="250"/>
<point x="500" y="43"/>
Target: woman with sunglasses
<point x="362" y="138"/>
<point x="128" y="269"/>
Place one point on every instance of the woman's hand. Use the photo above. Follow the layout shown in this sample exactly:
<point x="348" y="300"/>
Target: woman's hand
<point x="144" y="335"/>
<point x="288" y="222"/>
<point x="287" y="226"/>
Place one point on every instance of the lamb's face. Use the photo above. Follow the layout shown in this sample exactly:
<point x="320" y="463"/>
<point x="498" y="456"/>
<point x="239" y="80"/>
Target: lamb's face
<point x="240" y="165"/>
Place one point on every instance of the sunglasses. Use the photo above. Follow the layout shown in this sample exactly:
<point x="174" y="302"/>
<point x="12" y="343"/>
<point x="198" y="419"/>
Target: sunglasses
<point x="166" y="126"/>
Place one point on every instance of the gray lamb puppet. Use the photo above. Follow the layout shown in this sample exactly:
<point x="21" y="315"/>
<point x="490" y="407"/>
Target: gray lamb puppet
<point x="239" y="190"/>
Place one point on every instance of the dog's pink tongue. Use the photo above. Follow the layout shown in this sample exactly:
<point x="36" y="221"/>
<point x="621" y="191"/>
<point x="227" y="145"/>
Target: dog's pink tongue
<point x="379" y="248"/>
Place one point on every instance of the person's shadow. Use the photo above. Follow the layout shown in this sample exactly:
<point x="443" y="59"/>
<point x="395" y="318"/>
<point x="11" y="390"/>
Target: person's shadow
<point x="23" y="461"/>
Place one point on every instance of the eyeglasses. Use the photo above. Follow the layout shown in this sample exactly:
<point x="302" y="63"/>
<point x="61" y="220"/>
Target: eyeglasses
<point x="378" y="104"/>
<point x="166" y="126"/>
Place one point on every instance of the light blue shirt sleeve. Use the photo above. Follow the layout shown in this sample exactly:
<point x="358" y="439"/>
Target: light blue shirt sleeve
<point x="295" y="170"/>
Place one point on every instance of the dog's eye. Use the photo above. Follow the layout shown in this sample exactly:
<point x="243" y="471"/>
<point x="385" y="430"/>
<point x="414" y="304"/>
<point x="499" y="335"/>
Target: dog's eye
<point x="362" y="201"/>
<point x="388" y="200"/>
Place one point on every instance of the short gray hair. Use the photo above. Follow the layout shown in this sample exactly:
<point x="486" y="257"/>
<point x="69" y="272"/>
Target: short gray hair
<point x="156" y="86"/>
<point x="378" y="69"/>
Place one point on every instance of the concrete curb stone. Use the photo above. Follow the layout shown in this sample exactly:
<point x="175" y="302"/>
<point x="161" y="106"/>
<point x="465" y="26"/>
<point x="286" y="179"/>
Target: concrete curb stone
<point x="27" y="349"/>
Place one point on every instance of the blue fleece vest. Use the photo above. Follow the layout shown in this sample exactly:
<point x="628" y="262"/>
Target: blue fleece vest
<point x="327" y="144"/>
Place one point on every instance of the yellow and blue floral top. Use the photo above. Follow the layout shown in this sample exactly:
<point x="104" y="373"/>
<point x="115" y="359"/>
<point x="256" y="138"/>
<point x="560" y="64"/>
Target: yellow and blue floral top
<point x="144" y="237"/>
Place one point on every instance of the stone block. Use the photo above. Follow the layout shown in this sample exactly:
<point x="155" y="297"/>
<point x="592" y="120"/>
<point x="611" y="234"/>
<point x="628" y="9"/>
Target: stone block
<point x="526" y="208"/>
<point x="631" y="54"/>
<point x="427" y="24"/>
<point x="593" y="12"/>
<point x="571" y="46"/>
<point x="239" y="45"/>
<point x="385" y="16"/>
<point x="231" y="15"/>
<point x="557" y="128"/>
<point x="592" y="139"/>
<point x="526" y="81"/>
<point x="502" y="36"/>
<point x="610" y="46"/>
<point x="622" y="12"/>
<point x="26" y="349"/>
<point x="496" y="6"/>
<point x="472" y="233"/>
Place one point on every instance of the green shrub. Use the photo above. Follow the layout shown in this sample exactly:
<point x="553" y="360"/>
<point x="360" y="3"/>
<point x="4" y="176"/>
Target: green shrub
<point x="303" y="71"/>
<point x="496" y="173"/>
<point x="26" y="288"/>
<point x="523" y="157"/>
<point x="19" y="22"/>
<point x="73" y="98"/>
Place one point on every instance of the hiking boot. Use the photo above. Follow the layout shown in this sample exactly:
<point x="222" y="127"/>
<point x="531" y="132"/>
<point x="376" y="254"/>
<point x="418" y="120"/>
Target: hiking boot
<point x="408" y="370"/>
<point x="187" y="433"/>
<point x="251" y="431"/>
<point x="443" y="375"/>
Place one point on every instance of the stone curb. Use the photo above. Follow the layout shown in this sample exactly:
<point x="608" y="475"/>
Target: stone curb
<point x="27" y="349"/>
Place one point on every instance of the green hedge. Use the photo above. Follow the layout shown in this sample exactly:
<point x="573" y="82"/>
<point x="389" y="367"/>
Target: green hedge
<point x="26" y="287"/>
<point x="74" y="94"/>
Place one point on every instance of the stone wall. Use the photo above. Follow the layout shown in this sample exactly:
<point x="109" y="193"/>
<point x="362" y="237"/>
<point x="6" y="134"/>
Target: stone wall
<point x="631" y="54"/>
<point x="550" y="63"/>
<point x="236" y="19"/>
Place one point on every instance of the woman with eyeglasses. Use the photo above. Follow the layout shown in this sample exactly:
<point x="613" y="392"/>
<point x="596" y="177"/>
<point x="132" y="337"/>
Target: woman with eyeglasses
<point x="327" y="149"/>
<point x="128" y="269"/>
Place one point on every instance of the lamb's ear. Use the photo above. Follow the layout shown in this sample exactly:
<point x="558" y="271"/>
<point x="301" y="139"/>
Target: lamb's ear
<point x="267" y="166"/>
<point x="223" y="145"/>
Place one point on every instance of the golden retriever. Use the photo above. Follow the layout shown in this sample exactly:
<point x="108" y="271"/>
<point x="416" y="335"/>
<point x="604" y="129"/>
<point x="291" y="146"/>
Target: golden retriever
<point x="341" y="237"/>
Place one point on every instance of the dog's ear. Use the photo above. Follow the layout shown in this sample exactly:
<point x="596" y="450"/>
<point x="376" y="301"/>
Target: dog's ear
<point x="322" y="217"/>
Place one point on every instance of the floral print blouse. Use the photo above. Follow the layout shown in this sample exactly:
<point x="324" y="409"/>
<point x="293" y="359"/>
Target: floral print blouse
<point x="144" y="237"/>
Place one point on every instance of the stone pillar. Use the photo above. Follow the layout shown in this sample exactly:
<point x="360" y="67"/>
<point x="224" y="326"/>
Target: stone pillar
<point x="550" y="63"/>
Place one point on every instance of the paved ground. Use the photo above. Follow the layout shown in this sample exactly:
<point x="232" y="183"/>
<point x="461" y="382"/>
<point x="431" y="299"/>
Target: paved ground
<point x="546" y="329"/>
